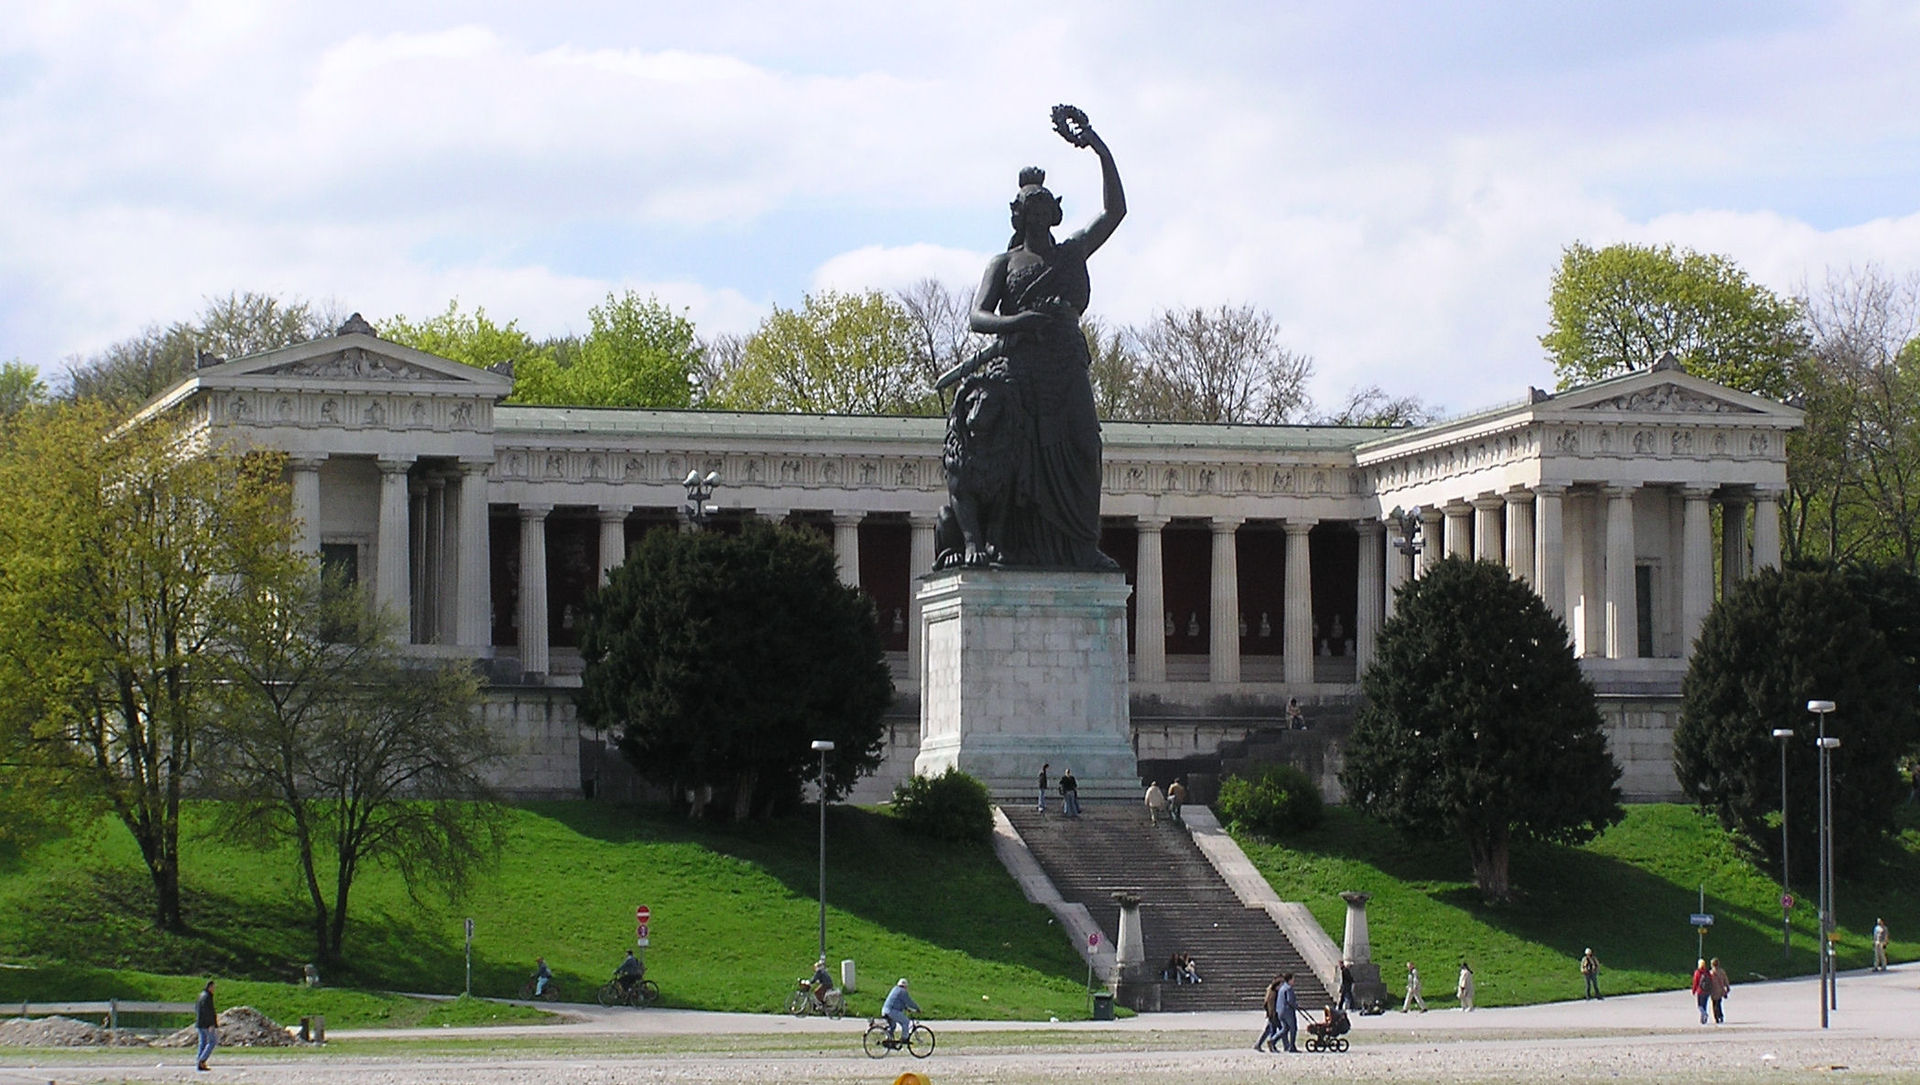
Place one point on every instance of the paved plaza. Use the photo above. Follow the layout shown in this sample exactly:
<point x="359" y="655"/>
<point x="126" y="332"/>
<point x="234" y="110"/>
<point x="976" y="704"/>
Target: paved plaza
<point x="1772" y="1034"/>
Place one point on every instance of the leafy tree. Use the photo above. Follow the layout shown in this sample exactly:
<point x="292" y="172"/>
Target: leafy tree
<point x="1119" y="387"/>
<point x="20" y="388"/>
<point x="1619" y="308"/>
<point x="950" y="806"/>
<point x="1371" y="406"/>
<point x="124" y="568"/>
<point x="640" y="353"/>
<point x="469" y="338"/>
<point x="837" y="354"/>
<point x="133" y="371"/>
<point x="331" y="737"/>
<point x="717" y="659"/>
<point x="1478" y="725"/>
<point x="1276" y="801"/>
<point x="1782" y="639"/>
<point x="942" y="337"/>
<point x="1853" y="470"/>
<point x="1220" y="365"/>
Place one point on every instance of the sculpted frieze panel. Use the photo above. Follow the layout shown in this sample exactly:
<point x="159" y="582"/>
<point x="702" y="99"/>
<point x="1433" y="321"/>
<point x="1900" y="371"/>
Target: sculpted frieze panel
<point x="355" y="363"/>
<point x="1670" y="398"/>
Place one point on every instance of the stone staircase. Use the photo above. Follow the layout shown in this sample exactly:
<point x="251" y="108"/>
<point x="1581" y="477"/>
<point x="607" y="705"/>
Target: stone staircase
<point x="1185" y="905"/>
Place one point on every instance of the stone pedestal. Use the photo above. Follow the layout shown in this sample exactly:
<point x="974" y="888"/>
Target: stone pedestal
<point x="1024" y="667"/>
<point x="1357" y="951"/>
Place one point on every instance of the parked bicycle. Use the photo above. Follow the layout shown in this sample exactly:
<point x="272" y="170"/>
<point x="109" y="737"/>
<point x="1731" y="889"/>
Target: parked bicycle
<point x="803" y="1001"/>
<point x="918" y="1041"/>
<point x="641" y="993"/>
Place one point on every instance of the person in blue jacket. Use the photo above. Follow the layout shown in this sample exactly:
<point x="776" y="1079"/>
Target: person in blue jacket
<point x="1289" y="1005"/>
<point x="896" y="1008"/>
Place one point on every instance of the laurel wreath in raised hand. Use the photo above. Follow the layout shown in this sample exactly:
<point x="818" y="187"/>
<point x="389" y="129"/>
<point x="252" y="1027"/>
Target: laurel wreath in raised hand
<point x="1071" y="123"/>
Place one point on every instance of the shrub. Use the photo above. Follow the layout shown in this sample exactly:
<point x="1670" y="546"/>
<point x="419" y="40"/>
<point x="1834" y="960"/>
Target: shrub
<point x="950" y="806"/>
<point x="1280" y="800"/>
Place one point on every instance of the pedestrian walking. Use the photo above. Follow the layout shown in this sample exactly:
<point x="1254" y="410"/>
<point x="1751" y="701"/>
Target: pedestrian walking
<point x="1702" y="987"/>
<point x="1270" y="1004"/>
<point x="1040" y="803"/>
<point x="1463" y="990"/>
<point x="1289" y="1014"/>
<point x="1176" y="798"/>
<point x="207" y="1021"/>
<point x="1156" y="802"/>
<point x="1346" y="986"/>
<point x="1879" y="945"/>
<point x="1718" y="986"/>
<point x="1590" y="971"/>
<point x="1069" y="793"/>
<point x="1413" y="991"/>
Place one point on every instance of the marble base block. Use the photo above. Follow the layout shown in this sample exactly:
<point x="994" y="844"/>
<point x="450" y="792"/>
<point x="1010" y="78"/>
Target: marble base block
<point x="1023" y="667"/>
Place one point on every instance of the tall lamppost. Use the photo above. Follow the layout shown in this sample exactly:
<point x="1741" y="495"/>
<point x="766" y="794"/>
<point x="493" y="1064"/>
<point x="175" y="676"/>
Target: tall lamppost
<point x="1824" y="744"/>
<point x="823" y="747"/>
<point x="1783" y="734"/>
<point x="698" y="491"/>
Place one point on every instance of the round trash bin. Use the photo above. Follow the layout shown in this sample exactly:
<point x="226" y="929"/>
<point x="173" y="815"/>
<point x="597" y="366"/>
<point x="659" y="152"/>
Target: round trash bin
<point x="1103" y="1005"/>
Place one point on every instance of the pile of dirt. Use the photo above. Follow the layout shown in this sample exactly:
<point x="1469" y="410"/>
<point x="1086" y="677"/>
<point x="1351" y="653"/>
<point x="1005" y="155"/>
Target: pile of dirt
<point x="241" y="1026"/>
<point x="61" y="1032"/>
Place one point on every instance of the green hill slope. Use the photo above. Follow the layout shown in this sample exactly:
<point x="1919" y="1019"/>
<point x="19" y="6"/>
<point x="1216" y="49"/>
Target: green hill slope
<point x="1628" y="895"/>
<point x="735" y="916"/>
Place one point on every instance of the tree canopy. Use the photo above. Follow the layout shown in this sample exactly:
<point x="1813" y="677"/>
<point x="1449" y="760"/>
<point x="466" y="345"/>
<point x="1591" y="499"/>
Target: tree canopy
<point x="469" y="338"/>
<point x="836" y="354"/>
<point x="1784" y="638"/>
<point x="134" y="370"/>
<point x="125" y="567"/>
<point x="1478" y="726"/>
<point x="717" y="659"/>
<point x="1221" y="365"/>
<point x="1617" y="309"/>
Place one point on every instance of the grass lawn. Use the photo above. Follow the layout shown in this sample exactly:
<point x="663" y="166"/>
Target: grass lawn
<point x="734" y="920"/>
<point x="1627" y="894"/>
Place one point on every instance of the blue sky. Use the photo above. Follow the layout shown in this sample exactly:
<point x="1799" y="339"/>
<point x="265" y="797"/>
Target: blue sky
<point x="1394" y="182"/>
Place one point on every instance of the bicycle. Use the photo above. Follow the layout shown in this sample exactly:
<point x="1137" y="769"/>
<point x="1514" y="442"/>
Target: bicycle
<point x="551" y="994"/>
<point x="642" y="993"/>
<point x="803" y="1001"/>
<point x="918" y="1041"/>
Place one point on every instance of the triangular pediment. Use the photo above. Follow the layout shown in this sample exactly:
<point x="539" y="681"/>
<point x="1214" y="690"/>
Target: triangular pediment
<point x="355" y="358"/>
<point x="1661" y="391"/>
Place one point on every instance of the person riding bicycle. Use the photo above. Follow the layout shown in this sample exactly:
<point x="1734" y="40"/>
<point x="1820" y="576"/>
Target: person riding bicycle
<point x="822" y="981"/>
<point x="629" y="974"/>
<point x="542" y="977"/>
<point x="895" y="1009"/>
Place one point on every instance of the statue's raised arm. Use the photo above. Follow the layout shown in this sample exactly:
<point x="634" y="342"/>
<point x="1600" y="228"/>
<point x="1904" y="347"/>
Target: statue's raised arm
<point x="1073" y="126"/>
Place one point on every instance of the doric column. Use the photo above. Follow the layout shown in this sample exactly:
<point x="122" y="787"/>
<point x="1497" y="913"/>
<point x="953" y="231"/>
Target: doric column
<point x="1223" y="642"/>
<point x="1397" y="571"/>
<point x="1550" y="558"/>
<point x="1368" y="607"/>
<point x="1298" y="646"/>
<point x="846" y="545"/>
<point x="1733" y="544"/>
<point x="1766" y="529"/>
<point x="434" y="563"/>
<point x="1696" y="562"/>
<point x="1459" y="526"/>
<point x="419" y="605"/>
<point x="1520" y="557"/>
<point x="1486" y="526"/>
<point x="1432" y="539"/>
<point x="1150" y="602"/>
<point x="1622" y="613"/>
<point x="613" y="538"/>
<point x="534" y="637"/>
<point x="473" y="594"/>
<point x="919" y="563"/>
<point x="391" y="592"/>
<point x="305" y="468"/>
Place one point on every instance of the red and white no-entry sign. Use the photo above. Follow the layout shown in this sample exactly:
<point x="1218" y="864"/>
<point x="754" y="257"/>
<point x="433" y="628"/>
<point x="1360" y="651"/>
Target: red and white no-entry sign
<point x="642" y="915"/>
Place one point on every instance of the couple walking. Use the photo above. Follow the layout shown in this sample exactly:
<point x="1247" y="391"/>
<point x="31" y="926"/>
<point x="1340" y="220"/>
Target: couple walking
<point x="1283" y="1020"/>
<point x="1710" y="985"/>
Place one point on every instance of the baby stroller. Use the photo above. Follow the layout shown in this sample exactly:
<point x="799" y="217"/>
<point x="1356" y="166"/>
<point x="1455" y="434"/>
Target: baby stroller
<point x="1329" y="1035"/>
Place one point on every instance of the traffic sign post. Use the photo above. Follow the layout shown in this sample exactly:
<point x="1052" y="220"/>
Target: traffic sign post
<point x="642" y="916"/>
<point x="469" y="956"/>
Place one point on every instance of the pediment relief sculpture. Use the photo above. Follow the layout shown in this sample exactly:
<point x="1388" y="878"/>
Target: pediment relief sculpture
<point x="355" y="363"/>
<point x="1668" y="398"/>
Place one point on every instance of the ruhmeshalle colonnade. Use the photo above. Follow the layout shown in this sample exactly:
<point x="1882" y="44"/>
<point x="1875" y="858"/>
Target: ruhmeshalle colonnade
<point x="1262" y="559"/>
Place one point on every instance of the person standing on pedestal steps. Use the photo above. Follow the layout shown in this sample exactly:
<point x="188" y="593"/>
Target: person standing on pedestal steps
<point x="1040" y="803"/>
<point x="1069" y="793"/>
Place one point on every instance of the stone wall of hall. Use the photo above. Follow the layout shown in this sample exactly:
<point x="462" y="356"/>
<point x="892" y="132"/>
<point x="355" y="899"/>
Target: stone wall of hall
<point x="541" y="735"/>
<point x="1640" y="733"/>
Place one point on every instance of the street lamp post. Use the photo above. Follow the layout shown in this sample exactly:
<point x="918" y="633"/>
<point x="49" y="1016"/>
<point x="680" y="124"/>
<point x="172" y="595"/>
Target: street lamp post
<point x="823" y="747"/>
<point x="1783" y="734"/>
<point x="699" y="489"/>
<point x="1825" y="948"/>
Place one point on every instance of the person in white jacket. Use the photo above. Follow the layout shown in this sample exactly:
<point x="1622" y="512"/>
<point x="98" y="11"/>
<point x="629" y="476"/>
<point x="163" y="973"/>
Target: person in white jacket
<point x="1464" y="989"/>
<point x="1413" y="991"/>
